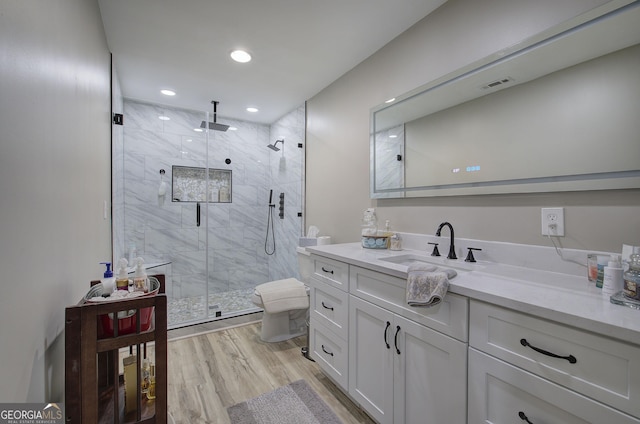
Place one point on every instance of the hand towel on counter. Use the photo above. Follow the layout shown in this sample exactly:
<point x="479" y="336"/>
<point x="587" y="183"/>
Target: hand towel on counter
<point x="426" y="284"/>
<point x="283" y="295"/>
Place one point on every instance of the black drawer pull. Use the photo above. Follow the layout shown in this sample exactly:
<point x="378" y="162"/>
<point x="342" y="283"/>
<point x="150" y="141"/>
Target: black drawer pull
<point x="523" y="417"/>
<point x="330" y="271"/>
<point x="385" y="335"/>
<point x="395" y="339"/>
<point x="326" y="351"/>
<point x="572" y="359"/>
<point x="327" y="307"/>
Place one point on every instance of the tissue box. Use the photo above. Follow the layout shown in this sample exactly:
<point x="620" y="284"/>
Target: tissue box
<point x="307" y="241"/>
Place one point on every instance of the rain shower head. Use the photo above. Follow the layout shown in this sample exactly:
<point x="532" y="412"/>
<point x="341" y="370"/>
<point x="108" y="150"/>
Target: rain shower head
<point x="273" y="146"/>
<point x="214" y="125"/>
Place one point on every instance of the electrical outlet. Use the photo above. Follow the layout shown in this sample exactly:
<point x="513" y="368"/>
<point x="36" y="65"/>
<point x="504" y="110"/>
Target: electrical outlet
<point x="553" y="222"/>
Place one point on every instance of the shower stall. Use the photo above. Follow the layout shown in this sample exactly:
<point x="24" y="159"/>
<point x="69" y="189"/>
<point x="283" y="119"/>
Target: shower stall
<point x="194" y="202"/>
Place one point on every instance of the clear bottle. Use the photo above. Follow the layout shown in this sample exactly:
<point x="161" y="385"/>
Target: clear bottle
<point x="140" y="277"/>
<point x="396" y="242"/>
<point x="369" y="223"/>
<point x="145" y="377"/>
<point x="151" y="392"/>
<point x="632" y="276"/>
<point x="122" y="281"/>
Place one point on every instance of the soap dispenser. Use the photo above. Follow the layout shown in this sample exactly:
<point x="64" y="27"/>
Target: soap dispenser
<point x="122" y="282"/>
<point x="108" y="282"/>
<point x="612" y="282"/>
<point x="140" y="277"/>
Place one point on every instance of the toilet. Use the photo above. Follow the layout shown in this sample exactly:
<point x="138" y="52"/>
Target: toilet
<point x="285" y="303"/>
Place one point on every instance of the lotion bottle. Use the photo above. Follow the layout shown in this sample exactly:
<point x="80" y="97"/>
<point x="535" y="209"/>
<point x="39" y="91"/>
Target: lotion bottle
<point x="122" y="281"/>
<point x="612" y="282"/>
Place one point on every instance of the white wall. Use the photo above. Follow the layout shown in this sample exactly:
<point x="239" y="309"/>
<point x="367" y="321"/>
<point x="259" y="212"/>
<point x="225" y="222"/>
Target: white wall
<point x="455" y="35"/>
<point x="54" y="177"/>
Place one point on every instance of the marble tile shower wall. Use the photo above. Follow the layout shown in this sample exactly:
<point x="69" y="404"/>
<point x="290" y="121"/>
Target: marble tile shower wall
<point x="163" y="230"/>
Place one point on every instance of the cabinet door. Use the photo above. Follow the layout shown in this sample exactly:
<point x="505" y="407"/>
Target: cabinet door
<point x="430" y="376"/>
<point x="371" y="356"/>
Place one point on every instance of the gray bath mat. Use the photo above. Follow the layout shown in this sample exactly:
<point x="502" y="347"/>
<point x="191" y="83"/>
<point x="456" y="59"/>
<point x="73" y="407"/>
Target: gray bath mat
<point x="296" y="403"/>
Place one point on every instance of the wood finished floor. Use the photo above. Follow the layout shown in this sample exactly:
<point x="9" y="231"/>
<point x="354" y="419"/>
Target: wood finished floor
<point x="208" y="373"/>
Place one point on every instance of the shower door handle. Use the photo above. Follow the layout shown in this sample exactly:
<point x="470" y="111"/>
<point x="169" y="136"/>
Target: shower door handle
<point x="198" y="214"/>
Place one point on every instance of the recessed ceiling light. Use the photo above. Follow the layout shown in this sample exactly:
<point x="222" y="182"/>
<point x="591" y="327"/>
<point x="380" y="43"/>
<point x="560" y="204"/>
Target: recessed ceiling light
<point x="393" y="99"/>
<point x="198" y="129"/>
<point x="233" y="129"/>
<point x="393" y="136"/>
<point x="168" y="92"/>
<point x="252" y="109"/>
<point x="240" y="56"/>
<point x="164" y="118"/>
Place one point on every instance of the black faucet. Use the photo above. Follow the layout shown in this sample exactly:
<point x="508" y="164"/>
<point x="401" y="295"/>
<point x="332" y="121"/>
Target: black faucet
<point x="452" y="248"/>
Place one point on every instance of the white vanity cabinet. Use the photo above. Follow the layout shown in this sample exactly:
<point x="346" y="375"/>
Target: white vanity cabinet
<point x="526" y="369"/>
<point x="329" y="318"/>
<point x="402" y="371"/>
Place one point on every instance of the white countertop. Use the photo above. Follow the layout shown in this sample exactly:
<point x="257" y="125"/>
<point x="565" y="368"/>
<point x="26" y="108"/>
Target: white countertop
<point x="565" y="298"/>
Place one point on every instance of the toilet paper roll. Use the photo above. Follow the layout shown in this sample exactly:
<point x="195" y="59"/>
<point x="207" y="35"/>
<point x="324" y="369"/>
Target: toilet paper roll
<point x="322" y="240"/>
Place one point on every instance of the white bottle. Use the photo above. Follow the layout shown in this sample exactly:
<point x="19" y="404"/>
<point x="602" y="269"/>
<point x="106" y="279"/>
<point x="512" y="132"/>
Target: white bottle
<point x="108" y="281"/>
<point x="612" y="282"/>
<point x="140" y="277"/>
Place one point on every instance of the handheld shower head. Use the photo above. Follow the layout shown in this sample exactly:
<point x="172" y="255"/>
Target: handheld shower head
<point x="273" y="146"/>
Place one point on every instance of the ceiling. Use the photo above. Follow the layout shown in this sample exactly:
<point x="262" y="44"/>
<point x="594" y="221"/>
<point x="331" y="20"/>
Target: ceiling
<point x="299" y="47"/>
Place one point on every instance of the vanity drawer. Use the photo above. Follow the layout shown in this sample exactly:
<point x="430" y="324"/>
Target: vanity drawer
<point x="331" y="353"/>
<point x="386" y="291"/>
<point x="596" y="366"/>
<point x="500" y="393"/>
<point x="330" y="271"/>
<point x="330" y="307"/>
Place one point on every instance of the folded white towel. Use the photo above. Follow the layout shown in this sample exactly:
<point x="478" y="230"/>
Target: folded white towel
<point x="427" y="284"/>
<point x="283" y="295"/>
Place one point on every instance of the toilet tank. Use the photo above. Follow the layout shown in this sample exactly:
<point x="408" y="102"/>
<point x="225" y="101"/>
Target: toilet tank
<point x="304" y="264"/>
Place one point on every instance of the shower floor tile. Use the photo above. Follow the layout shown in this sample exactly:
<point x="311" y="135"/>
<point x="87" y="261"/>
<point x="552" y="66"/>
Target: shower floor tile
<point x="190" y="310"/>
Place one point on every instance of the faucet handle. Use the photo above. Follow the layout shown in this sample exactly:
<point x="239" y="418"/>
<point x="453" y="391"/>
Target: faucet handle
<point x="435" y="249"/>
<point x="470" y="257"/>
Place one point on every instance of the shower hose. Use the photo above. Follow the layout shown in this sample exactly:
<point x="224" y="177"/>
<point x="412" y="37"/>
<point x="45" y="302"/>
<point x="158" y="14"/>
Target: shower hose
<point x="270" y="250"/>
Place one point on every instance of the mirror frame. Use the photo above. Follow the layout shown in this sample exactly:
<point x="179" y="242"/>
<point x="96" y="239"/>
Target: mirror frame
<point x="386" y="116"/>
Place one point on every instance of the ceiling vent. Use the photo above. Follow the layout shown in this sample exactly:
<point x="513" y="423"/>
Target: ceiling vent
<point x="497" y="83"/>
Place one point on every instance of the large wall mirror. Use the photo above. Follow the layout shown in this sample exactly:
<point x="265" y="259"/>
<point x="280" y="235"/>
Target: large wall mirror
<point x="560" y="113"/>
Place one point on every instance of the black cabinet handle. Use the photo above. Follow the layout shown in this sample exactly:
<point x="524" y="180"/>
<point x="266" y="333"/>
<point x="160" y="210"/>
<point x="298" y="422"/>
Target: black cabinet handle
<point x="327" y="307"/>
<point x="330" y="271"/>
<point x="198" y="214"/>
<point x="385" y="335"/>
<point x="395" y="339"/>
<point x="524" y="418"/>
<point x="326" y="351"/>
<point x="572" y="359"/>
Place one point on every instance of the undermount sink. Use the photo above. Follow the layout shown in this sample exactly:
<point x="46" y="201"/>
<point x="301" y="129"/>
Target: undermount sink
<point x="407" y="258"/>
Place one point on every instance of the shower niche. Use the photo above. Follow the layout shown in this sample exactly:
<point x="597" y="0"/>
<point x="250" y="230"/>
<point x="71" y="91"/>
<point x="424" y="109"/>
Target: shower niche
<point x="192" y="184"/>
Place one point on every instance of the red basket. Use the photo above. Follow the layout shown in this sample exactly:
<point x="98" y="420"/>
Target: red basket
<point x="127" y="320"/>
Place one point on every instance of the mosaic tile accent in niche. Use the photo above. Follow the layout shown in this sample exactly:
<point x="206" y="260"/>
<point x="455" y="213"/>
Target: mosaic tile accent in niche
<point x="189" y="184"/>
